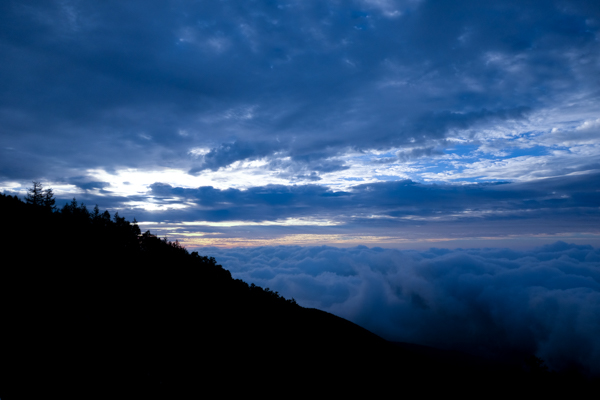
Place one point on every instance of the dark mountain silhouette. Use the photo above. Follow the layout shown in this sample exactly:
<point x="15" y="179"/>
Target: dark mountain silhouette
<point x="91" y="306"/>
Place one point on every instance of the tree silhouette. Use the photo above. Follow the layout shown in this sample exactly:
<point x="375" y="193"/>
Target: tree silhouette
<point x="96" y="214"/>
<point x="48" y="199"/>
<point x="39" y="197"/>
<point x="35" y="194"/>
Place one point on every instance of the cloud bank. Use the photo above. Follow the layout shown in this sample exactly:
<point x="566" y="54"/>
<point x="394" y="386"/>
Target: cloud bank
<point x="390" y="211"/>
<point x="490" y="301"/>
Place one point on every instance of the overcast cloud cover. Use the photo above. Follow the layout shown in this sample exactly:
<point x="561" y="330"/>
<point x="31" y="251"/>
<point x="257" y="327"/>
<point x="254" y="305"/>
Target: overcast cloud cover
<point x="318" y="121"/>
<point x="497" y="302"/>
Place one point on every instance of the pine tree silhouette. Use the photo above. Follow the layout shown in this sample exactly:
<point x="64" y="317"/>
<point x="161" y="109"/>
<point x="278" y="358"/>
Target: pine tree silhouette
<point x="38" y="196"/>
<point x="35" y="194"/>
<point x="48" y="199"/>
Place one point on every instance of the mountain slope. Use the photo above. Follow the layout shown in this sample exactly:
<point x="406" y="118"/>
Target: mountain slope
<point x="90" y="306"/>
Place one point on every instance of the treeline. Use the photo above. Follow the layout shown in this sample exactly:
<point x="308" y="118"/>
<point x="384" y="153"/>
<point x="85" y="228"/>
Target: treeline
<point x="120" y="308"/>
<point x="82" y="230"/>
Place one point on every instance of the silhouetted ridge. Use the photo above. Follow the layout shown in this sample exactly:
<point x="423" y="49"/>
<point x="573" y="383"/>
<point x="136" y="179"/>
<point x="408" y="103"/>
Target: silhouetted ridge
<point x="91" y="305"/>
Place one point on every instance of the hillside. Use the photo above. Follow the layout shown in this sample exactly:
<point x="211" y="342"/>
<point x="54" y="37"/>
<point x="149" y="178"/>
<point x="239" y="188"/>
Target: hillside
<point x="90" y="305"/>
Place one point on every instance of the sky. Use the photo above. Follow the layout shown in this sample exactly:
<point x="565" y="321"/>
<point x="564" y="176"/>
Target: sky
<point x="369" y="122"/>
<point x="415" y="166"/>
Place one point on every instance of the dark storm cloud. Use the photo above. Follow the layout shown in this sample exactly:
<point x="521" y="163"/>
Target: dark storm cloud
<point x="492" y="301"/>
<point x="112" y="84"/>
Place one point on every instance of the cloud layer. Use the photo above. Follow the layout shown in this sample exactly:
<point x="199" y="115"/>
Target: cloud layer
<point x="490" y="301"/>
<point x="396" y="210"/>
<point x="303" y="85"/>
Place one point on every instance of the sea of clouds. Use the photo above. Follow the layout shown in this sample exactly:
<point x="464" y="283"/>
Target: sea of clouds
<point x="497" y="302"/>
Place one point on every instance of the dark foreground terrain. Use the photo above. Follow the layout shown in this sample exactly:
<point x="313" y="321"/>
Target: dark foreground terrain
<point x="90" y="307"/>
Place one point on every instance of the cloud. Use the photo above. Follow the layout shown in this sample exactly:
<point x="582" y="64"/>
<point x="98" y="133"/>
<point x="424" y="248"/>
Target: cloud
<point x="400" y="198"/>
<point x="416" y="153"/>
<point x="228" y="153"/>
<point x="108" y="87"/>
<point x="247" y="98"/>
<point x="440" y="124"/>
<point x="497" y="302"/>
<point x="394" y="209"/>
<point x="87" y="184"/>
<point x="389" y="213"/>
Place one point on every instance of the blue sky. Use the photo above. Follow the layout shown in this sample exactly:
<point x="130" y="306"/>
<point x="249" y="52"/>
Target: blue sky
<point x="377" y="122"/>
